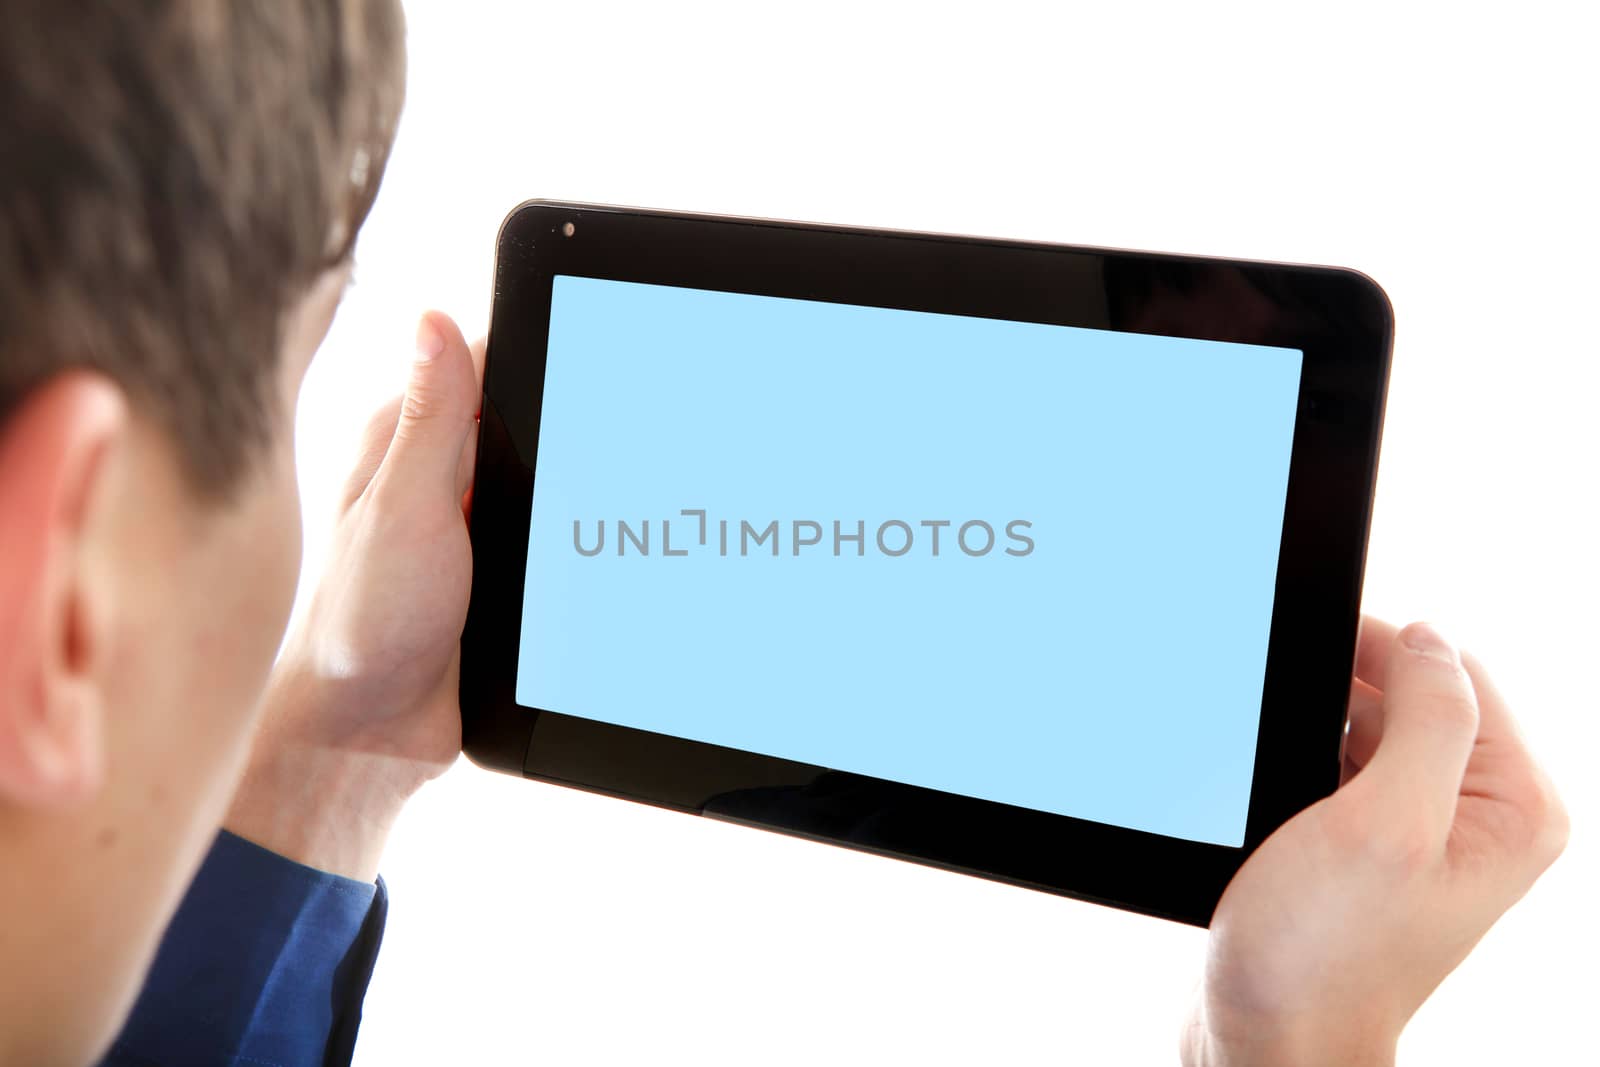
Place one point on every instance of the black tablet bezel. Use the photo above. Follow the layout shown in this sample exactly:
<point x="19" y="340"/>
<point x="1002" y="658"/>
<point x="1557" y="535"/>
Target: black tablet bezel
<point x="1339" y="319"/>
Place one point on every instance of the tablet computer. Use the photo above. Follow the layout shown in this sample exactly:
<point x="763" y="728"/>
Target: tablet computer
<point x="1035" y="562"/>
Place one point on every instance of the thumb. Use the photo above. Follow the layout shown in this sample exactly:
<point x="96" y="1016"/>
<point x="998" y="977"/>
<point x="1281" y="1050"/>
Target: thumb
<point x="1430" y="724"/>
<point x="439" y="411"/>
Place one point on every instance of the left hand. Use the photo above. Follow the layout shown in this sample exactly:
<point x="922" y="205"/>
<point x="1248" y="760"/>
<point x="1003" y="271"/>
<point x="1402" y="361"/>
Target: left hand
<point x="362" y="707"/>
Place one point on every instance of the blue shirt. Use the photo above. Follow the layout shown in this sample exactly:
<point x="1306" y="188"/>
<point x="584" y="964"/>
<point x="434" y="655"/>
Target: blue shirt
<point x="265" y="964"/>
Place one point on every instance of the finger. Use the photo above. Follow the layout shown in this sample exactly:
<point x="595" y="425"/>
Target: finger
<point x="1366" y="725"/>
<point x="439" y="410"/>
<point x="1502" y="767"/>
<point x="479" y="350"/>
<point x="374" y="446"/>
<point x="469" y="459"/>
<point x="469" y="452"/>
<point x="1373" y="645"/>
<point x="1495" y="722"/>
<point x="1373" y="642"/>
<point x="1430" y="723"/>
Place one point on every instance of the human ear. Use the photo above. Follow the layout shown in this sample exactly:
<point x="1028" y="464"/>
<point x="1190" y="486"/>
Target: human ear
<point x="55" y="453"/>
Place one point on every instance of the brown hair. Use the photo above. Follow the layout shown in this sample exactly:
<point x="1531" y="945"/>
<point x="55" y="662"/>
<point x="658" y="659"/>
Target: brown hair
<point x="176" y="174"/>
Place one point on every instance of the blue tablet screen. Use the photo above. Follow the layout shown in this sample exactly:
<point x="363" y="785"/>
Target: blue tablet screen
<point x="1028" y="563"/>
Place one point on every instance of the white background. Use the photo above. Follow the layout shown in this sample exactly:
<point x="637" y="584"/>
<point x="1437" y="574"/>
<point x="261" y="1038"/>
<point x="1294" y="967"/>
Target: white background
<point x="1445" y="149"/>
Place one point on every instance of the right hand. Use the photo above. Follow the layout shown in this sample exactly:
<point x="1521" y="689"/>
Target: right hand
<point x="1344" y="921"/>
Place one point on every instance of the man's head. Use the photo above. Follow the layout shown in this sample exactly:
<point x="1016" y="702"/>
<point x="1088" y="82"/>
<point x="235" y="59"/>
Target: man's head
<point x="181" y="187"/>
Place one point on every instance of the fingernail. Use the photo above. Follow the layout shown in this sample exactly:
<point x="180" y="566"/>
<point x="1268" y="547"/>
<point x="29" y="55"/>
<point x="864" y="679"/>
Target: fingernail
<point x="430" y="342"/>
<point x="1420" y="637"/>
